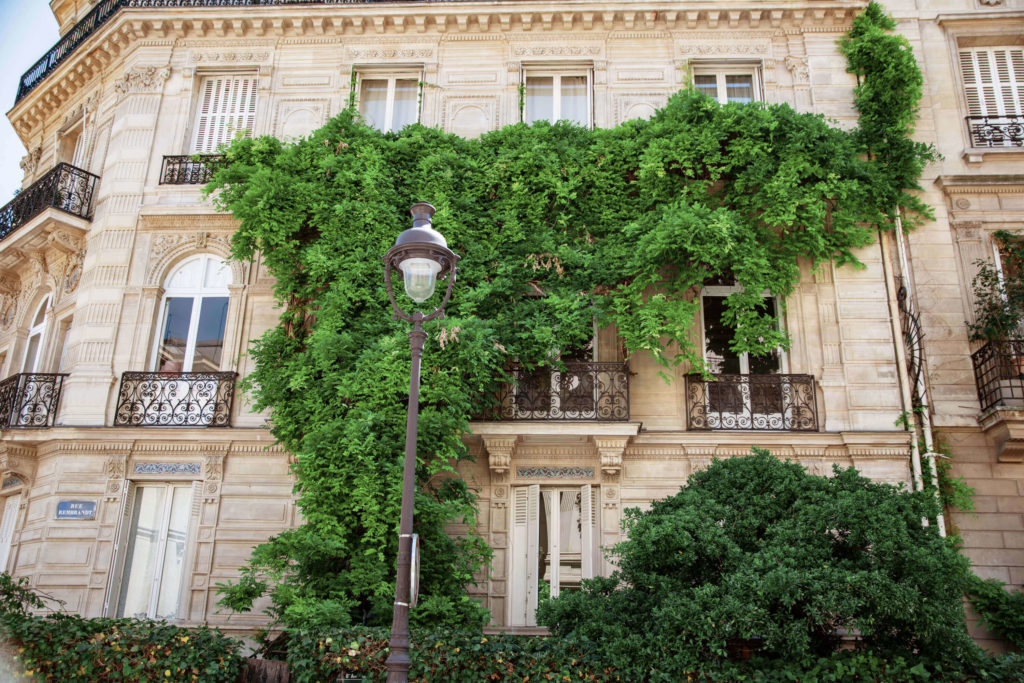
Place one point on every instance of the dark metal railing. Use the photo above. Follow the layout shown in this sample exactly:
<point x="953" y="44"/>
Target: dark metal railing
<point x="913" y="336"/>
<point x="29" y="400"/>
<point x="583" y="391"/>
<point x="752" y="402"/>
<point x="66" y="187"/>
<point x="175" y="399"/>
<point x="999" y="374"/>
<point x="106" y="9"/>
<point x="996" y="131"/>
<point x="195" y="169"/>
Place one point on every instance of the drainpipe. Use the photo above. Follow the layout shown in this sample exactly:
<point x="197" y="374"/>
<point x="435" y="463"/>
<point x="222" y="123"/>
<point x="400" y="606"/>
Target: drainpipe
<point x="901" y="359"/>
<point x="922" y="386"/>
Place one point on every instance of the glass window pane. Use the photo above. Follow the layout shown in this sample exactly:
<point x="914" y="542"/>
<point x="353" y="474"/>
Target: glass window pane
<point x="707" y="84"/>
<point x="406" y="103"/>
<point x="574" y="100"/>
<point x="373" y="101"/>
<point x="210" y="338"/>
<point x="140" y="555"/>
<point x="539" y="98"/>
<point x="31" y="353"/>
<point x="218" y="274"/>
<point x="174" y="553"/>
<point x="40" y="315"/>
<point x="177" y="316"/>
<point x="717" y="336"/>
<point x="770" y="363"/>
<point x="739" y="88"/>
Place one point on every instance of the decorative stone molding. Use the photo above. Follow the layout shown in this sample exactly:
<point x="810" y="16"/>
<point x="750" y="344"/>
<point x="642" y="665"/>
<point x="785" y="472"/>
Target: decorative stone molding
<point x="228" y="57"/>
<point x="167" y="249"/>
<point x="555" y="472"/>
<point x="556" y="51"/>
<point x="142" y="79"/>
<point x="30" y="162"/>
<point x="611" y="450"/>
<point x="799" y="68"/>
<point x="391" y="53"/>
<point x="730" y="48"/>
<point x="17" y="462"/>
<point x="167" y="468"/>
<point x="499" y="452"/>
<point x="213" y="470"/>
<point x="116" y="469"/>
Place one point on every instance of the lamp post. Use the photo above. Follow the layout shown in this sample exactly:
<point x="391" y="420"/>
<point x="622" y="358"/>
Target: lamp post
<point x="423" y="256"/>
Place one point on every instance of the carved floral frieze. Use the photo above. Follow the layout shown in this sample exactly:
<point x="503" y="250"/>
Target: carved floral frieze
<point x="142" y="79"/>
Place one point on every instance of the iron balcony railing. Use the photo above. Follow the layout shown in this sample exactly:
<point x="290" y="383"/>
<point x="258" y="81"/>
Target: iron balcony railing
<point x="999" y="374"/>
<point x="66" y="187"/>
<point x="29" y="400"/>
<point x="771" y="403"/>
<point x="913" y="337"/>
<point x="196" y="169"/>
<point x="175" y="399"/>
<point x="583" y="391"/>
<point x="107" y="9"/>
<point x="996" y="131"/>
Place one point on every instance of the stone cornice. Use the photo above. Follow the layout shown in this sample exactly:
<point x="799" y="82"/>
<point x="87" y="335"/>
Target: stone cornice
<point x="105" y="51"/>
<point x="981" y="184"/>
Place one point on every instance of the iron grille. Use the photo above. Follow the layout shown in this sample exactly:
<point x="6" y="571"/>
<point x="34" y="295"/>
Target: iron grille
<point x="189" y="169"/>
<point x="996" y="131"/>
<point x="66" y="187"/>
<point x="912" y="337"/>
<point x="752" y="402"/>
<point x="999" y="374"/>
<point x="175" y="399"/>
<point x="583" y="391"/>
<point x="106" y="9"/>
<point x="29" y="400"/>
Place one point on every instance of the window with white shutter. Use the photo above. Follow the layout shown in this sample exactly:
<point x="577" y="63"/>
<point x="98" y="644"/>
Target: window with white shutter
<point x="227" y="105"/>
<point x="994" y="89"/>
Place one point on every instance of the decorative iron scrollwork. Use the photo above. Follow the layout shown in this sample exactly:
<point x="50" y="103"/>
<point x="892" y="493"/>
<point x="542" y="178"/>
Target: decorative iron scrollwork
<point x="190" y="170"/>
<point x="29" y="400"/>
<point x="175" y="399"/>
<point x="996" y="131"/>
<point x="912" y="337"/>
<point x="583" y="391"/>
<point x="66" y="187"/>
<point x="999" y="374"/>
<point x="752" y="402"/>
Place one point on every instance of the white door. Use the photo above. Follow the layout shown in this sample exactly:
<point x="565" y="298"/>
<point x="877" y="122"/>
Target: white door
<point x="7" y="529"/>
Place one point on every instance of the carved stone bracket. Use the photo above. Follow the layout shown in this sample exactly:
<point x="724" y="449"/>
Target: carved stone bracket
<point x="115" y="469"/>
<point x="611" y="450"/>
<point x="213" y="470"/>
<point x="141" y="79"/>
<point x="799" y="68"/>
<point x="499" y="452"/>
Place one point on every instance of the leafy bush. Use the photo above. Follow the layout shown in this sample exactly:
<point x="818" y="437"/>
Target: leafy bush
<point x="999" y="611"/>
<point x="757" y="551"/>
<point x="63" y="647"/>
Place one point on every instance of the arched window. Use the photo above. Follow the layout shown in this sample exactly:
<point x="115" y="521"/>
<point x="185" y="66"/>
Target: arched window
<point x="193" y="317"/>
<point x="35" y="339"/>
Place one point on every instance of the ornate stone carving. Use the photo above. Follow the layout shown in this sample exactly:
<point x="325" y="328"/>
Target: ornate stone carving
<point x="555" y="472"/>
<point x="991" y="3"/>
<point x="166" y="247"/>
<point x="391" y="53"/>
<point x="171" y="468"/>
<point x="499" y="452"/>
<point x="229" y="57"/>
<point x="611" y="450"/>
<point x="725" y="49"/>
<point x="30" y="162"/>
<point x="799" y="68"/>
<point x="557" y="51"/>
<point x="141" y="79"/>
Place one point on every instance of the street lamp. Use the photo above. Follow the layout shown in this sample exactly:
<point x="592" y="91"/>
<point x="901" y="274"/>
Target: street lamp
<point x="423" y="256"/>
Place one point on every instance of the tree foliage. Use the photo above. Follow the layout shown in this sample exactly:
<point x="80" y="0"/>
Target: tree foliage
<point x="557" y="227"/>
<point x="756" y="551"/>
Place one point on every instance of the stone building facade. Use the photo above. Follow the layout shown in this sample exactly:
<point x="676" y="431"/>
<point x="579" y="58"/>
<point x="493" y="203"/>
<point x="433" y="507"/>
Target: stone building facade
<point x="135" y="477"/>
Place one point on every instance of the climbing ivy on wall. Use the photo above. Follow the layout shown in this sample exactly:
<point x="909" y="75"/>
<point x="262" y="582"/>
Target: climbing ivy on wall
<point x="558" y="226"/>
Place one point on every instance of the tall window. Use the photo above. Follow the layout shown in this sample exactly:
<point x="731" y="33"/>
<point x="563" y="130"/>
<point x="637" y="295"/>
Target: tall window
<point x="728" y="84"/>
<point x="993" y="80"/>
<point x="227" y="105"/>
<point x="554" y="545"/>
<point x="10" y="516"/>
<point x="557" y="95"/>
<point x="389" y="102"/>
<point x="33" y="350"/>
<point x="154" y="561"/>
<point x="195" y="311"/>
<point x="718" y="335"/>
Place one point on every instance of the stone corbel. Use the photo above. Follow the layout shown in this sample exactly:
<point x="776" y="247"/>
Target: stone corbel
<point x="611" y="449"/>
<point x="499" y="452"/>
<point x="115" y="469"/>
<point x="213" y="470"/>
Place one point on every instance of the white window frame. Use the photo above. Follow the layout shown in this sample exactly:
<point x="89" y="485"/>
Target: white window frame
<point x="723" y="69"/>
<point x="391" y="75"/>
<point x="197" y="295"/>
<point x="557" y="73"/>
<point x="120" y="570"/>
<point x="36" y="330"/>
<point x="198" y="146"/>
<point x="10" y="506"/>
<point x="724" y="291"/>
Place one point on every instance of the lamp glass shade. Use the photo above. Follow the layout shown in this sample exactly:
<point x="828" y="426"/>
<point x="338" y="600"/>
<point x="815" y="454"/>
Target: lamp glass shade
<point x="420" y="277"/>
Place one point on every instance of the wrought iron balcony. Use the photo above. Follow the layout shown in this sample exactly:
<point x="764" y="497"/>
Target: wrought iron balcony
<point x="175" y="399"/>
<point x="107" y="9"/>
<point x="999" y="374"/>
<point x="29" y="400"/>
<point x="196" y="169"/>
<point x="66" y="187"/>
<point x="775" y="403"/>
<point x="996" y="131"/>
<point x="583" y="391"/>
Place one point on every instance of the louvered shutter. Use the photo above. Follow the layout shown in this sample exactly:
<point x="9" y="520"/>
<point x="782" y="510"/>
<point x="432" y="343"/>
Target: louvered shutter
<point x="226" y="104"/>
<point x="587" y="518"/>
<point x="553" y="507"/>
<point x="993" y="80"/>
<point x="121" y="533"/>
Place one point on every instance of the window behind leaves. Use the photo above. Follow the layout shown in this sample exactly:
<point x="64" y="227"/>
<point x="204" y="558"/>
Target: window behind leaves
<point x="227" y="105"/>
<point x="389" y="102"/>
<point x="557" y="95"/>
<point x="728" y="84"/>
